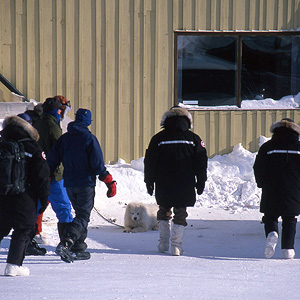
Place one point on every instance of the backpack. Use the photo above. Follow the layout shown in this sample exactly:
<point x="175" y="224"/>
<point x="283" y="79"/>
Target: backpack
<point x="12" y="167"/>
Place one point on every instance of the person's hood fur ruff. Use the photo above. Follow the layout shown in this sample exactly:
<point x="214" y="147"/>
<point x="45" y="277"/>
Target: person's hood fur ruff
<point x="284" y="123"/>
<point x="176" y="112"/>
<point x="19" y="122"/>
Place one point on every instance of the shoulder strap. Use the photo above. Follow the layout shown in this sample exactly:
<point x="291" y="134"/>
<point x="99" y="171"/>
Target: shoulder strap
<point x="25" y="140"/>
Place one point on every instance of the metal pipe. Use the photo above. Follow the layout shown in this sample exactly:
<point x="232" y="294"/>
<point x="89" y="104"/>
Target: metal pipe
<point x="11" y="87"/>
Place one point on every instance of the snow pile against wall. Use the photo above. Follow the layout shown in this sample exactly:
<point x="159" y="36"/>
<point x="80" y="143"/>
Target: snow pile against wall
<point x="231" y="184"/>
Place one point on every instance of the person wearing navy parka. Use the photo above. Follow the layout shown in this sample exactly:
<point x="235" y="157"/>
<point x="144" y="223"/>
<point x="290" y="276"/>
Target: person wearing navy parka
<point x="82" y="158"/>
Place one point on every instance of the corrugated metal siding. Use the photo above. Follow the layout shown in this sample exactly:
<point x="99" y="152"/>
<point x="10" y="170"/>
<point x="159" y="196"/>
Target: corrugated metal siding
<point x="116" y="57"/>
<point x="222" y="129"/>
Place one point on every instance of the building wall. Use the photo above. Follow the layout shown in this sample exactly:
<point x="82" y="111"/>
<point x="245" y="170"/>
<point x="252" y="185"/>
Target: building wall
<point x="116" y="57"/>
<point x="223" y="129"/>
<point x="4" y="93"/>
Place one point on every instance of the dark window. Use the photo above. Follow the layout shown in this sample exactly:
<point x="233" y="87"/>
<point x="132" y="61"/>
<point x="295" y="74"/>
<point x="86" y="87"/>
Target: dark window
<point x="224" y="69"/>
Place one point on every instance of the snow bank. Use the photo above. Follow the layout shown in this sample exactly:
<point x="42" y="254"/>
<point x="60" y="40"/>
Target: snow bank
<point x="231" y="184"/>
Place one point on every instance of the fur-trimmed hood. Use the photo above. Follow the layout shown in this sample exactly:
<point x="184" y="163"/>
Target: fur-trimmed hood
<point x="19" y="122"/>
<point x="177" y="111"/>
<point x="288" y="123"/>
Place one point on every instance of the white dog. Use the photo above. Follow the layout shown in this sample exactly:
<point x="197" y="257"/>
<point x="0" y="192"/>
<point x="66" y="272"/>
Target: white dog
<point x="140" y="217"/>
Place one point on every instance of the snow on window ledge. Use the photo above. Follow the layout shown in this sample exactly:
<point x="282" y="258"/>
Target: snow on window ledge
<point x="287" y="102"/>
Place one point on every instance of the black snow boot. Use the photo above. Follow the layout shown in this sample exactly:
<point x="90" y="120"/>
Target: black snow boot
<point x="81" y="255"/>
<point x="63" y="249"/>
<point x="34" y="249"/>
<point x="61" y="229"/>
<point x="80" y="246"/>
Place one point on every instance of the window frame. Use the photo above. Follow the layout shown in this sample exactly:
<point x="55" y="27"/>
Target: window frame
<point x="239" y="35"/>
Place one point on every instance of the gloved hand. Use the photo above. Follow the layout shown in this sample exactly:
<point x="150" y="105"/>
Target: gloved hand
<point x="44" y="204"/>
<point x="200" y="187"/>
<point x="111" y="185"/>
<point x="150" y="188"/>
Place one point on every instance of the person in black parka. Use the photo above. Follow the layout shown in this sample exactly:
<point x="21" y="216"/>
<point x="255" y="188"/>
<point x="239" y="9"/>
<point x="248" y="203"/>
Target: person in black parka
<point x="175" y="165"/>
<point x="19" y="211"/>
<point x="277" y="172"/>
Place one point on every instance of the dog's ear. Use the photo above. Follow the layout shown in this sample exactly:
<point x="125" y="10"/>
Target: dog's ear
<point x="129" y="204"/>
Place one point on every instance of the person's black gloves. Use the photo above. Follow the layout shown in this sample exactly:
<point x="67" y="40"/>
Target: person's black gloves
<point x="200" y="187"/>
<point x="44" y="204"/>
<point x="150" y="188"/>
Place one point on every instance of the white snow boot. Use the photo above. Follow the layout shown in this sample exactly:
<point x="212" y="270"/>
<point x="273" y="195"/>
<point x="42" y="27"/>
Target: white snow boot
<point x="272" y="240"/>
<point x="15" y="270"/>
<point x="176" y="239"/>
<point x="288" y="253"/>
<point x="164" y="228"/>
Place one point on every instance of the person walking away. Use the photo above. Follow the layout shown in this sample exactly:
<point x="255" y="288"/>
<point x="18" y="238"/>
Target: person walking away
<point x="33" y="248"/>
<point x="18" y="212"/>
<point x="277" y="172"/>
<point x="81" y="155"/>
<point x="175" y="165"/>
<point x="34" y="115"/>
<point x="49" y="130"/>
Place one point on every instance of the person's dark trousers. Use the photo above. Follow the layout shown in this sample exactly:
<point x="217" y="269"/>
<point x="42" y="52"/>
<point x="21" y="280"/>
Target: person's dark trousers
<point x="180" y="214"/>
<point x="82" y="199"/>
<point x="33" y="233"/>
<point x="288" y="234"/>
<point x="271" y="223"/>
<point x="80" y="245"/>
<point x="288" y="229"/>
<point x="61" y="229"/>
<point x="19" y="241"/>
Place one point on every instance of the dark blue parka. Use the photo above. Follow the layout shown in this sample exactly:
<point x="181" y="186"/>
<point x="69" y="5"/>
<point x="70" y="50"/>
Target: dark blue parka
<point x="81" y="155"/>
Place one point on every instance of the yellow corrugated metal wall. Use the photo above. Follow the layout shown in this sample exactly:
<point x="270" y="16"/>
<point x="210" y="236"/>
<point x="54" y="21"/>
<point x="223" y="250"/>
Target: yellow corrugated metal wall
<point x="116" y="57"/>
<point x="222" y="129"/>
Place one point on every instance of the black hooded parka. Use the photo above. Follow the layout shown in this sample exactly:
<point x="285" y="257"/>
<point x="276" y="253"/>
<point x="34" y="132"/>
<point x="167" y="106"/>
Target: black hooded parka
<point x="277" y="170"/>
<point x="19" y="211"/>
<point x="176" y="161"/>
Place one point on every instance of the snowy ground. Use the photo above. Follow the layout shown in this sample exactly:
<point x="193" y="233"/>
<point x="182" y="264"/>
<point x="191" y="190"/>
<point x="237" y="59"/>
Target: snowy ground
<point x="223" y="247"/>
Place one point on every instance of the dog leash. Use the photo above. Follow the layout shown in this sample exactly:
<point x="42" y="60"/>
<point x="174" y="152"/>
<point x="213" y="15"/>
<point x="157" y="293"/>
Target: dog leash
<point x="107" y="220"/>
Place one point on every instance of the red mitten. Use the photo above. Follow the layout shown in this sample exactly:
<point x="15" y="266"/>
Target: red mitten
<point x="111" y="185"/>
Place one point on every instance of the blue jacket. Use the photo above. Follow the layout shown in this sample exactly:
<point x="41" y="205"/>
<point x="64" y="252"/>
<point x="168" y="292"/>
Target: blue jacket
<point x="81" y="155"/>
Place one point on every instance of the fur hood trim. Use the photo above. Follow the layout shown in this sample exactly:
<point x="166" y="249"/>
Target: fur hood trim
<point x="19" y="122"/>
<point x="285" y="123"/>
<point x="176" y="111"/>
